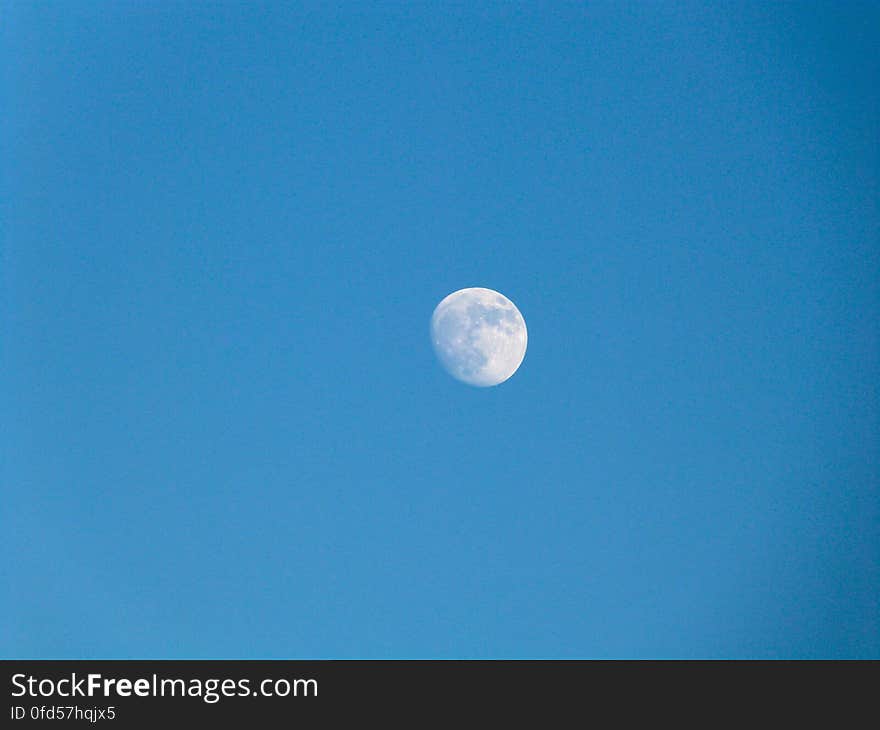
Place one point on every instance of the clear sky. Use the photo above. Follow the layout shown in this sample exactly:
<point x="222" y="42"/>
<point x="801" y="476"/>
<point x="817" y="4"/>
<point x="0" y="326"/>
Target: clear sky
<point x="225" y="227"/>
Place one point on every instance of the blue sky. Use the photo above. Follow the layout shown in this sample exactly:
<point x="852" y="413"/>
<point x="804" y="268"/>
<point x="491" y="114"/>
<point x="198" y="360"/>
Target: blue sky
<point x="224" y="230"/>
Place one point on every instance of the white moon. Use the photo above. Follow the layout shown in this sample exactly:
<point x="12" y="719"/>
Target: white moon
<point x="479" y="336"/>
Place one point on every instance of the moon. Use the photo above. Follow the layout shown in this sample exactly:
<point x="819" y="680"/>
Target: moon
<point x="479" y="336"/>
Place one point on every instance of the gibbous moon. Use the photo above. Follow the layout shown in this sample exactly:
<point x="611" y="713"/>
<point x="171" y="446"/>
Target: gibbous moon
<point x="479" y="336"/>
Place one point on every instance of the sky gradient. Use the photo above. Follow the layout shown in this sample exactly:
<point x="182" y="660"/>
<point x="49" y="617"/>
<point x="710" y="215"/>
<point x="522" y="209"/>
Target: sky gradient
<point x="225" y="228"/>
